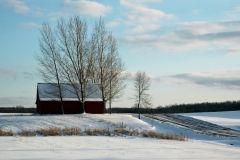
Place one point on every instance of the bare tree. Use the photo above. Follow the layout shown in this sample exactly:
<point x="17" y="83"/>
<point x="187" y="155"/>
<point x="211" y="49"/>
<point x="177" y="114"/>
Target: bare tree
<point x="116" y="73"/>
<point x="141" y="85"/>
<point x="48" y="60"/>
<point x="109" y="67"/>
<point x="100" y="41"/>
<point x="81" y="60"/>
<point x="76" y="60"/>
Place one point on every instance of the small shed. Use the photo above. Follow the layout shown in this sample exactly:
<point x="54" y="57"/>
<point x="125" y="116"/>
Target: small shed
<point x="48" y="99"/>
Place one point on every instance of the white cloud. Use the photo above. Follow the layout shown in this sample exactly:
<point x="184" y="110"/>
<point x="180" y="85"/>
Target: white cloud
<point x="15" y="75"/>
<point x="237" y="9"/>
<point x="233" y="50"/>
<point x="144" y="1"/>
<point x="19" y="6"/>
<point x="143" y="19"/>
<point x="29" y="25"/>
<point x="142" y="14"/>
<point x="132" y="74"/>
<point x="233" y="14"/>
<point x="115" y="22"/>
<point x="140" y="29"/>
<point x="223" y="36"/>
<point x="39" y="14"/>
<point x="168" y="42"/>
<point x="198" y="28"/>
<point x="54" y="16"/>
<point x="8" y="73"/>
<point x="222" y="79"/>
<point x="189" y="36"/>
<point x="87" y="7"/>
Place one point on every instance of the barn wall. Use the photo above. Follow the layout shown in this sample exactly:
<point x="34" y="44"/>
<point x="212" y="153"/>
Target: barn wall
<point x="94" y="107"/>
<point x="50" y="108"/>
<point x="38" y="107"/>
<point x="71" y="107"/>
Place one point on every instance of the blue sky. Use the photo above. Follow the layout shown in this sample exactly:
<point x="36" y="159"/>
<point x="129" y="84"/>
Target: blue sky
<point x="189" y="48"/>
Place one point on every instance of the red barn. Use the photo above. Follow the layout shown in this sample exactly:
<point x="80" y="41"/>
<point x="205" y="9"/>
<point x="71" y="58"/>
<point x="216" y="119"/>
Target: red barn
<point x="48" y="99"/>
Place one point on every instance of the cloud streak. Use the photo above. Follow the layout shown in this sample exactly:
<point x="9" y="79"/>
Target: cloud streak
<point x="140" y="29"/>
<point x="190" y="36"/>
<point x="14" y="74"/>
<point x="115" y="22"/>
<point x="29" y="25"/>
<point x="17" y="5"/>
<point x="14" y="101"/>
<point x="139" y="13"/>
<point x="8" y="73"/>
<point x="87" y="7"/>
<point x="222" y="79"/>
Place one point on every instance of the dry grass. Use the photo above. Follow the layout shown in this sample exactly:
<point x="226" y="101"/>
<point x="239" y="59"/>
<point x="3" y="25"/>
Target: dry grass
<point x="105" y="132"/>
<point x="169" y="136"/>
<point x="72" y="131"/>
<point x="52" y="131"/>
<point x="6" y="133"/>
<point x="27" y="133"/>
<point x="89" y="132"/>
<point x="96" y="132"/>
<point x="126" y="131"/>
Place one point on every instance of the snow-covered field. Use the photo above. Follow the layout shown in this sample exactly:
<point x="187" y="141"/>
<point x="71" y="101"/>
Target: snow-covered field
<point x="198" y="146"/>
<point x="111" y="148"/>
<point x="230" y="119"/>
<point x="18" y="122"/>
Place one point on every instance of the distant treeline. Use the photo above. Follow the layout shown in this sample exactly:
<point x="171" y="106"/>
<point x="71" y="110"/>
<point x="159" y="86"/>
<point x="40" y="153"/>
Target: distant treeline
<point x="185" y="108"/>
<point x="18" y="109"/>
<point x="175" y="108"/>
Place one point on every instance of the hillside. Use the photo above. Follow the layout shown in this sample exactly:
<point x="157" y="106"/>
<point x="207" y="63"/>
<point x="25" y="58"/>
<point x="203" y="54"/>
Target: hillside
<point x="105" y="147"/>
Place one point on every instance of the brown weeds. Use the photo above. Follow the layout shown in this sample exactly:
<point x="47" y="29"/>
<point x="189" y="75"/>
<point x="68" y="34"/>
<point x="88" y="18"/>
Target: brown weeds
<point x="126" y="131"/>
<point x="72" y="131"/>
<point x="105" y="132"/>
<point x="6" y="133"/>
<point x="169" y="136"/>
<point x="96" y="132"/>
<point x="27" y="133"/>
<point x="89" y="132"/>
<point x="52" y="131"/>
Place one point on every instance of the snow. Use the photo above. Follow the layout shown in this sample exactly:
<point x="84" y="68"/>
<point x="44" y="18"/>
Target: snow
<point x="230" y="119"/>
<point x="96" y="147"/>
<point x="198" y="146"/>
<point x="20" y="122"/>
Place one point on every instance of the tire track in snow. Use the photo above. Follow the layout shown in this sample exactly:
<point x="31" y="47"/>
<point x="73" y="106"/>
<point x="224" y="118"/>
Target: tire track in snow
<point x="196" y="125"/>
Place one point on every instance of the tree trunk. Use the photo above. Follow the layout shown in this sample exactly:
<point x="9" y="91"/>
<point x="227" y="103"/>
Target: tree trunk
<point x="110" y="94"/>
<point x="62" y="106"/>
<point x="139" y="98"/>
<point x="110" y="106"/>
<point x="138" y="111"/>
<point x="61" y="101"/>
<point x="82" y="110"/>
<point x="104" y="106"/>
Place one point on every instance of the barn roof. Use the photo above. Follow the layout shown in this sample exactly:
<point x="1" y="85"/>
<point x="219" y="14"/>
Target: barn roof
<point x="50" y="92"/>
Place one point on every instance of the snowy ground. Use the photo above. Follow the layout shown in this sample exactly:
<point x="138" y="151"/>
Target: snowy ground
<point x="18" y="122"/>
<point x="111" y="148"/>
<point x="230" y="119"/>
<point x="198" y="146"/>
